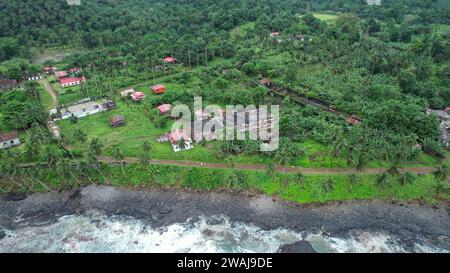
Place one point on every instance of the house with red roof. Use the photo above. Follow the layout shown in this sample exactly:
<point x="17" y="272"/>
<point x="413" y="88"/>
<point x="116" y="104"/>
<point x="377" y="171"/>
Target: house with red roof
<point x="74" y="70"/>
<point x="137" y="96"/>
<point x="164" y="109"/>
<point x="176" y="137"/>
<point x="169" y="60"/>
<point x="68" y="82"/>
<point x="274" y="34"/>
<point x="353" y="120"/>
<point x="49" y="69"/>
<point x="127" y="92"/>
<point x="8" y="140"/>
<point x="158" y="89"/>
<point x="61" y="74"/>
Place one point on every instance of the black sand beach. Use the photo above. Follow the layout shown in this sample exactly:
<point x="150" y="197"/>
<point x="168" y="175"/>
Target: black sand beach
<point x="164" y="207"/>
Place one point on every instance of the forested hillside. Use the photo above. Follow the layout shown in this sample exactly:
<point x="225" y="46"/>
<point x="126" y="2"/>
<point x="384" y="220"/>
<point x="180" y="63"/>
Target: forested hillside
<point x="386" y="65"/>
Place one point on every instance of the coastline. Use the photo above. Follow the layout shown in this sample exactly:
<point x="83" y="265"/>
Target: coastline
<point x="161" y="207"/>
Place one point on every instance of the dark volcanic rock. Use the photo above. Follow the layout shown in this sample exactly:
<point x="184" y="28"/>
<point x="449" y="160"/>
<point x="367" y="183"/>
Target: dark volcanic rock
<point x="15" y="197"/>
<point x="297" y="247"/>
<point x="162" y="207"/>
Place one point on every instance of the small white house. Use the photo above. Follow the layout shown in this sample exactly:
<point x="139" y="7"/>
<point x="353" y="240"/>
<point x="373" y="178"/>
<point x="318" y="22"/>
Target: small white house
<point x="8" y="140"/>
<point x="175" y="138"/>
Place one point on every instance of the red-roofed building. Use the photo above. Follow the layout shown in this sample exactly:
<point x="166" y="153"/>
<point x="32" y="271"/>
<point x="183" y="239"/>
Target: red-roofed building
<point x="74" y="70"/>
<point x="67" y="82"/>
<point x="8" y="140"/>
<point x="176" y="137"/>
<point x="352" y="120"/>
<point x="61" y="74"/>
<point x="169" y="60"/>
<point x="274" y="34"/>
<point x="158" y="89"/>
<point x="137" y="96"/>
<point x="164" y="109"/>
<point x="49" y="69"/>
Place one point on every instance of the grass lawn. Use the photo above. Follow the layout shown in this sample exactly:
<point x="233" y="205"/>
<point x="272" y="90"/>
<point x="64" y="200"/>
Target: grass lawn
<point x="326" y="17"/>
<point x="46" y="99"/>
<point x="240" y="31"/>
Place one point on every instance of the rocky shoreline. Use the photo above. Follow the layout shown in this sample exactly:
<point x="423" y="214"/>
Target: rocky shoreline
<point x="161" y="207"/>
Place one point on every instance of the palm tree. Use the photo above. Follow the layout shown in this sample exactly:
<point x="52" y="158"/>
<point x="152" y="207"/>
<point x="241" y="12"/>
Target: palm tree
<point x="328" y="185"/>
<point x="300" y="178"/>
<point x="32" y="90"/>
<point x="441" y="172"/>
<point x="91" y="158"/>
<point x="361" y="160"/>
<point x="406" y="178"/>
<point x="80" y="136"/>
<point x="182" y="147"/>
<point x="352" y="179"/>
<point x="271" y="169"/>
<point x="145" y="158"/>
<point x="440" y="187"/>
<point x="181" y="144"/>
<point x="146" y="147"/>
<point x="230" y="162"/>
<point x="63" y="168"/>
<point x="382" y="180"/>
<point x="51" y="157"/>
<point x="393" y="169"/>
<point x="282" y="157"/>
<point x="118" y="155"/>
<point x="339" y="143"/>
<point x="36" y="172"/>
<point x="8" y="167"/>
<point x="96" y="146"/>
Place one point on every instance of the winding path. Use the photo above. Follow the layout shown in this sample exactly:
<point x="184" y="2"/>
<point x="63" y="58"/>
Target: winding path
<point x="51" y="92"/>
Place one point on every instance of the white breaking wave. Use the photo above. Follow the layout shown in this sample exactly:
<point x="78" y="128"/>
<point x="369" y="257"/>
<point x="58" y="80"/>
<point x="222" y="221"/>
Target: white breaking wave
<point x="97" y="233"/>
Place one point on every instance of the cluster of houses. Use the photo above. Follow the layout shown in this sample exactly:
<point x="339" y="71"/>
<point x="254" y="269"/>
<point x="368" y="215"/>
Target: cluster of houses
<point x="136" y="96"/>
<point x="216" y="122"/>
<point x="169" y="60"/>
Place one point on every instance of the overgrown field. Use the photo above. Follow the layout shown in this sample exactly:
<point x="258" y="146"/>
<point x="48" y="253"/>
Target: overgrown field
<point x="293" y="187"/>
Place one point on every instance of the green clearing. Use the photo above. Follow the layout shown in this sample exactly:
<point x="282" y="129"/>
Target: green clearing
<point x="54" y="54"/>
<point x="46" y="99"/>
<point x="326" y="17"/>
<point x="240" y="31"/>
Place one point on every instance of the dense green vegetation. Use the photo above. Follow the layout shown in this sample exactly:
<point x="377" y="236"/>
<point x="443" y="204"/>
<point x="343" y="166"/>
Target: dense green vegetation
<point x="292" y="187"/>
<point x="387" y="64"/>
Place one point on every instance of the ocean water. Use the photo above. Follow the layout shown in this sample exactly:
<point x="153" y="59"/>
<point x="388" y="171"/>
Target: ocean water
<point x="95" y="232"/>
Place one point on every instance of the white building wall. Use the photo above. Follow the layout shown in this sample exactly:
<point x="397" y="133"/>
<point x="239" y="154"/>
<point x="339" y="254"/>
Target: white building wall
<point x="9" y="143"/>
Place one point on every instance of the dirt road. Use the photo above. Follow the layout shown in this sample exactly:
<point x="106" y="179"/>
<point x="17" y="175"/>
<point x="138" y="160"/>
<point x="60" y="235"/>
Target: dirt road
<point x="52" y="92"/>
<point x="262" y="167"/>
